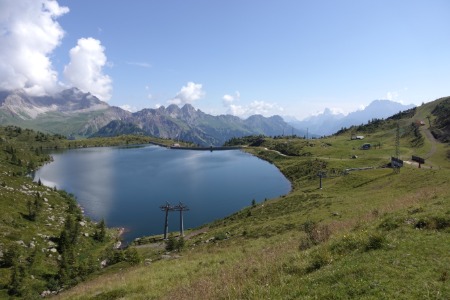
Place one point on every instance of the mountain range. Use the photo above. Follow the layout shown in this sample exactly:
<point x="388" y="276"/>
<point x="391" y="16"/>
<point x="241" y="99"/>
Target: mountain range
<point x="77" y="114"/>
<point x="74" y="113"/>
<point x="328" y="123"/>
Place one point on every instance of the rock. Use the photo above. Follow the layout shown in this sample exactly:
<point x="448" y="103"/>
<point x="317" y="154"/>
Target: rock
<point x="82" y="224"/>
<point x="32" y="245"/>
<point x="46" y="293"/>
<point x="21" y="243"/>
<point x="86" y="234"/>
<point x="53" y="250"/>
<point x="104" y="263"/>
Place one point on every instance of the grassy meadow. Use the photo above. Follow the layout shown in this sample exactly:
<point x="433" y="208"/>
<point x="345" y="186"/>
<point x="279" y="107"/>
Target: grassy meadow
<point x="369" y="233"/>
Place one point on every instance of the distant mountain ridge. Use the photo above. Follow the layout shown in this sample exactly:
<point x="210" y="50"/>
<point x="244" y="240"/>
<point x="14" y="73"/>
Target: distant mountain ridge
<point x="328" y="123"/>
<point x="69" y="112"/>
<point x="190" y="124"/>
<point x="74" y="113"/>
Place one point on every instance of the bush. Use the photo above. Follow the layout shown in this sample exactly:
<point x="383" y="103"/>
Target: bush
<point x="347" y="243"/>
<point x="389" y="224"/>
<point x="314" y="235"/>
<point x="220" y="236"/>
<point x="100" y="232"/>
<point x="375" y="241"/>
<point x="132" y="256"/>
<point x="319" y="259"/>
<point x="174" y="244"/>
<point x="12" y="255"/>
<point x="433" y="223"/>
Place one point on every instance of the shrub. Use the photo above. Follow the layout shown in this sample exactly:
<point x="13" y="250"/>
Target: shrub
<point x="433" y="223"/>
<point x="132" y="256"/>
<point x="174" y="244"/>
<point x="220" y="236"/>
<point x="347" y="243"/>
<point x="375" y="241"/>
<point x="100" y="232"/>
<point x="314" y="235"/>
<point x="319" y="259"/>
<point x="389" y="224"/>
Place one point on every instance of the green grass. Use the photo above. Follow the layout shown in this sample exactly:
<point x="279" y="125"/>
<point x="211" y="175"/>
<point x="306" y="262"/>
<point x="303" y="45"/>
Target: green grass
<point x="372" y="234"/>
<point x="368" y="234"/>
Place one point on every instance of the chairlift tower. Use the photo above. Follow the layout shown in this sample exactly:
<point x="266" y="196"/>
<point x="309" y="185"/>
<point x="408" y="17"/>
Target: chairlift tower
<point x="167" y="207"/>
<point x="181" y="207"/>
<point x="321" y="175"/>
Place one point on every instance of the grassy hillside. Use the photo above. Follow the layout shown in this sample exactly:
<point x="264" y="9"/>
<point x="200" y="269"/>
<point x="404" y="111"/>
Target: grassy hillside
<point x="46" y="244"/>
<point x="367" y="234"/>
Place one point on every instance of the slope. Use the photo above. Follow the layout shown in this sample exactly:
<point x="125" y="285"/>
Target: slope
<point x="367" y="234"/>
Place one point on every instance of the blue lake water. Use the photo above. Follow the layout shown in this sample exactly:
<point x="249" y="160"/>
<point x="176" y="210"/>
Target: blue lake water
<point x="126" y="186"/>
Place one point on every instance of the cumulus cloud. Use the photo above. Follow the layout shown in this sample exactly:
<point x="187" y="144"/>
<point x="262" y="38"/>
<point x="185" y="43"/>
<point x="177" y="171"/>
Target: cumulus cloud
<point x="188" y="94"/>
<point x="254" y="108"/>
<point x="229" y="99"/>
<point x="85" y="69"/>
<point x="128" y="107"/>
<point x="29" y="33"/>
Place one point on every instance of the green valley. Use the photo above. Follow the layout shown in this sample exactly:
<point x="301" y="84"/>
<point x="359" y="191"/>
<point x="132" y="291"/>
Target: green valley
<point x="368" y="233"/>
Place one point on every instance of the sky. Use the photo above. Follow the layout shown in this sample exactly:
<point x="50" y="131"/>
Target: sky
<point x="241" y="57"/>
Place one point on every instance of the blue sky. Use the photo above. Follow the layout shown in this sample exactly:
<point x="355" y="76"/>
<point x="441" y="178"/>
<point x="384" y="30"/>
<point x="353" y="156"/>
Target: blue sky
<point x="241" y="56"/>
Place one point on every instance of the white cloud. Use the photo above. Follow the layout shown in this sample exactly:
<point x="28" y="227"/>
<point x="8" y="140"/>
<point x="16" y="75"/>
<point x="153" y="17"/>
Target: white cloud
<point x="84" y="71"/>
<point x="188" y="94"/>
<point x="129" y="108"/>
<point x="140" y="64"/>
<point x="229" y="99"/>
<point x="254" y="108"/>
<point x="264" y="108"/>
<point x="28" y="35"/>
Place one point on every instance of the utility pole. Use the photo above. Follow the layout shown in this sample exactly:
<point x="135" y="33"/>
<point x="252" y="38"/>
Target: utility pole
<point x="181" y="207"/>
<point x="167" y="207"/>
<point x="321" y="175"/>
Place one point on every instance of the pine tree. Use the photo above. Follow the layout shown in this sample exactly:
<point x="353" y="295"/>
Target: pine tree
<point x="100" y="233"/>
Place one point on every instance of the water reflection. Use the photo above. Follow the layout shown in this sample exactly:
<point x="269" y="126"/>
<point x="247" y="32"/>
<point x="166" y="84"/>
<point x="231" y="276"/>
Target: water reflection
<point x="127" y="186"/>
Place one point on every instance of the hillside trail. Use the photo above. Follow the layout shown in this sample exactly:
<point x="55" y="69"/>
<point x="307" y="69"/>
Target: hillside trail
<point x="430" y="153"/>
<point x="433" y="142"/>
<point x="161" y="244"/>
<point x="278" y="152"/>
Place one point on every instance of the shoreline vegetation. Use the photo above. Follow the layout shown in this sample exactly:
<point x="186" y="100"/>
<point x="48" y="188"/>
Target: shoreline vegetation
<point x="365" y="234"/>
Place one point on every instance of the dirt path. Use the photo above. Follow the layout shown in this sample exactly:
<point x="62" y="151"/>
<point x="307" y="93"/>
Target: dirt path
<point x="278" y="152"/>
<point x="161" y="244"/>
<point x="196" y="232"/>
<point x="433" y="142"/>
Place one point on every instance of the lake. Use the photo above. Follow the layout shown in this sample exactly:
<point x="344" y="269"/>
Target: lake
<point x="127" y="185"/>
